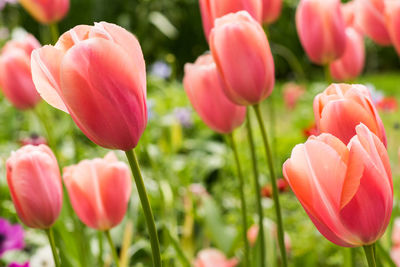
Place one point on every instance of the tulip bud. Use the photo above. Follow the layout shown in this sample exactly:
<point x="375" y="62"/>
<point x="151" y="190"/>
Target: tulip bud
<point x="350" y="65"/>
<point x="346" y="191"/>
<point x="271" y="10"/>
<point x="205" y="91"/>
<point x="371" y="19"/>
<point x="243" y="57"/>
<point x="341" y="107"/>
<point x="392" y="18"/>
<point x="99" y="191"/>
<point x="34" y="180"/>
<point x="97" y="74"/>
<point x="46" y="11"/>
<point x="321" y="30"/>
<point x="213" y="9"/>
<point x="212" y="258"/>
<point x="15" y="72"/>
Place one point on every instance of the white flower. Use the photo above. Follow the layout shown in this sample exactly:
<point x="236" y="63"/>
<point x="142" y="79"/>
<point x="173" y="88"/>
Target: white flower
<point x="42" y="258"/>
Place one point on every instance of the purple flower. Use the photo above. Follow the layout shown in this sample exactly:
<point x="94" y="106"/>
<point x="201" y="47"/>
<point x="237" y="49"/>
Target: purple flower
<point x="161" y="69"/>
<point x="11" y="236"/>
<point x="16" y="264"/>
<point x="184" y="116"/>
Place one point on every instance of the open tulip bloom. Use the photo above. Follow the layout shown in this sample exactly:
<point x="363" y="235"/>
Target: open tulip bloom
<point x="346" y="191"/>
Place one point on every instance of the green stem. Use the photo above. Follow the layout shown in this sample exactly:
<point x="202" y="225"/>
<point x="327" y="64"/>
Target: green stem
<point x="328" y="77"/>
<point x="370" y="255"/>
<point x="146" y="207"/>
<point x="50" y="235"/>
<point x="291" y="59"/>
<point x="275" y="193"/>
<point x="100" y="256"/>
<point x="54" y="32"/>
<point x="383" y="253"/>
<point x="242" y="201"/>
<point x="257" y="188"/>
<point x="112" y="247"/>
<point x="46" y="122"/>
<point x="178" y="249"/>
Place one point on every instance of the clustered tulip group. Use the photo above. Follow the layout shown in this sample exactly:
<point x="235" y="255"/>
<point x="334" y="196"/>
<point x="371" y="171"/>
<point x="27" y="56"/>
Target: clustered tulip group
<point x="97" y="74"/>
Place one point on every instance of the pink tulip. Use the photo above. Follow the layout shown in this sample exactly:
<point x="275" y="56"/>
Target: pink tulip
<point x="350" y="65"/>
<point x="292" y="92"/>
<point x="213" y="9"/>
<point x="395" y="255"/>
<point x="212" y="258"/>
<point x="97" y="75"/>
<point x="393" y="22"/>
<point x="349" y="13"/>
<point x="252" y="234"/>
<point x="396" y="233"/>
<point x="34" y="180"/>
<point x="46" y="11"/>
<point x="346" y="191"/>
<point x="205" y="91"/>
<point x="371" y="18"/>
<point x="271" y="10"/>
<point x="15" y="72"/>
<point x="99" y="190"/>
<point x="341" y="107"/>
<point x="243" y="57"/>
<point x="321" y="30"/>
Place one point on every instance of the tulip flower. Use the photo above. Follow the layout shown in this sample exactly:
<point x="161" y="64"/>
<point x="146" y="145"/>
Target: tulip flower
<point x="213" y="9"/>
<point x="213" y="257"/>
<point x="346" y="191"/>
<point x="292" y="92"/>
<point x="349" y="13"/>
<point x="321" y="30"/>
<point x="34" y="180"/>
<point x="99" y="190"/>
<point x="392" y="18"/>
<point x="341" y="107"/>
<point x="205" y="91"/>
<point x="46" y="11"/>
<point x="97" y="75"/>
<point x="371" y="19"/>
<point x="271" y="10"/>
<point x="15" y="72"/>
<point x="350" y="65"/>
<point x="243" y="57"/>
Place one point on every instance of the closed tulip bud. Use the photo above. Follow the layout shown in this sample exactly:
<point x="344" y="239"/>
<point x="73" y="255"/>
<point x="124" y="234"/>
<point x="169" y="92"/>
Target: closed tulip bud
<point x="212" y="257"/>
<point x="392" y="8"/>
<point x="346" y="191"/>
<point x="213" y="9"/>
<point x="46" y="11"/>
<point x="321" y="30"/>
<point x="15" y="72"/>
<point x="350" y="65"/>
<point x="341" y="107"/>
<point x="271" y="10"/>
<point x="371" y="19"/>
<point x="243" y="57"/>
<point x="34" y="180"/>
<point x="97" y="75"/>
<point x="99" y="191"/>
<point x="205" y="91"/>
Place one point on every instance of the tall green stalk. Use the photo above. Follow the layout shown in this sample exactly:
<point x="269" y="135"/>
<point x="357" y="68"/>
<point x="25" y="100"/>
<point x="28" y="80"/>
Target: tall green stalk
<point x="370" y="255"/>
<point x="275" y="193"/>
<point x="112" y="247"/>
<point x="54" y="32"/>
<point x="148" y="214"/>
<point x="246" y="261"/>
<point x="257" y="188"/>
<point x="50" y="236"/>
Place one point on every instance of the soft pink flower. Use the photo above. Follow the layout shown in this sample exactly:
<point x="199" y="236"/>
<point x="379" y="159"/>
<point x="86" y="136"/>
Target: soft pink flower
<point x="205" y="91"/>
<point x="96" y="74"/>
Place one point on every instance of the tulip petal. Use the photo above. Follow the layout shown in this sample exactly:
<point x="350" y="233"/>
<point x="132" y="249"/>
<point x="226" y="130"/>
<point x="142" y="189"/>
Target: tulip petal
<point x="74" y="36"/>
<point x="101" y="85"/>
<point x="45" y="63"/>
<point x="341" y="117"/>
